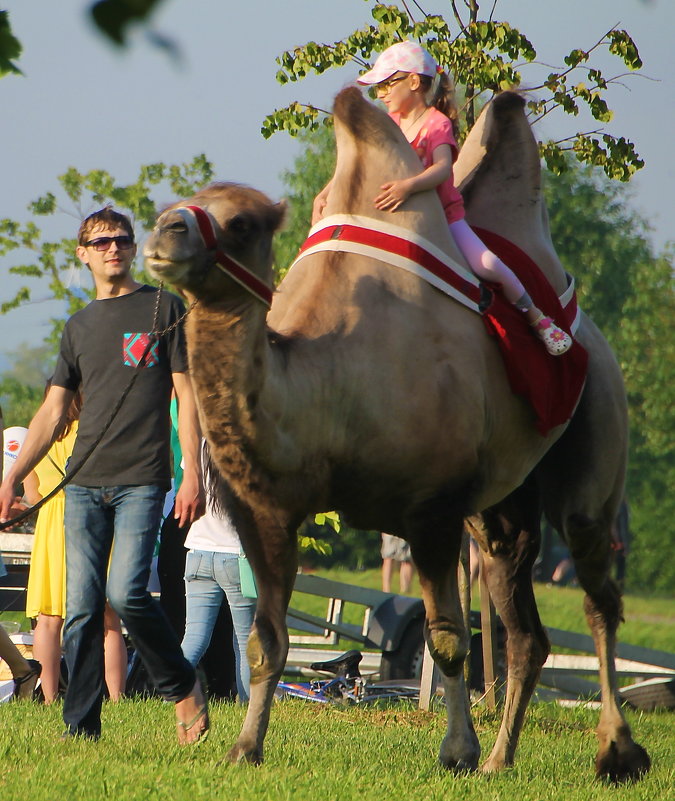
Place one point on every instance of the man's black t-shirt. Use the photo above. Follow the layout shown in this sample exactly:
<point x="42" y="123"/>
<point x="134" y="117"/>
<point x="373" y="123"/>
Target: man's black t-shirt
<point x="100" y="348"/>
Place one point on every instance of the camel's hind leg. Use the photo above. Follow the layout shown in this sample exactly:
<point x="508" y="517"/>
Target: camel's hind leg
<point x="272" y="551"/>
<point x="510" y="541"/>
<point x="435" y="551"/>
<point x="619" y="757"/>
<point x="581" y="484"/>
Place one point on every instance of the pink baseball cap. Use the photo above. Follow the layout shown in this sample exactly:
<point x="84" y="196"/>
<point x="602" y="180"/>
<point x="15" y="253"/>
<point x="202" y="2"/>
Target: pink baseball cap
<point x="401" y="57"/>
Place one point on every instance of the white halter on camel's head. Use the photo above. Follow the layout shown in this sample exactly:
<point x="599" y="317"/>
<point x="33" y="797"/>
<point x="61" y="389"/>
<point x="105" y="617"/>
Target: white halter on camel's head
<point x="199" y="219"/>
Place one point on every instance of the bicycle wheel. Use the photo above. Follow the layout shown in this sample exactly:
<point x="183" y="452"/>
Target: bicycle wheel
<point x="393" y="691"/>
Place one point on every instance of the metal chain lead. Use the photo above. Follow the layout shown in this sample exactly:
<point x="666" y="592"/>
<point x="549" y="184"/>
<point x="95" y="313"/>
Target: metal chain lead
<point x="155" y="334"/>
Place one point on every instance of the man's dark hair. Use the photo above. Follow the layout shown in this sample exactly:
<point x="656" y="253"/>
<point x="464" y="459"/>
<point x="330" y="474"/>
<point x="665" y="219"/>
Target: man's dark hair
<point x="107" y="217"/>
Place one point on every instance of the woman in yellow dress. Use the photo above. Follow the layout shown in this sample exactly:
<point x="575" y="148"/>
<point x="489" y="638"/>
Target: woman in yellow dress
<point x="46" y="593"/>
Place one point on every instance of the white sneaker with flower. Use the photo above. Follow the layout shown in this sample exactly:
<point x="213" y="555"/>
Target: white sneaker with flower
<point x="556" y="341"/>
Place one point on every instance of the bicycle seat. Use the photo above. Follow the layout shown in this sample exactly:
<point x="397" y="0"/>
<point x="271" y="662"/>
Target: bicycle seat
<point x="345" y="666"/>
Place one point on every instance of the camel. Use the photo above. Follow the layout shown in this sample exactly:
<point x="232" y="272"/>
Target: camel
<point x="365" y="389"/>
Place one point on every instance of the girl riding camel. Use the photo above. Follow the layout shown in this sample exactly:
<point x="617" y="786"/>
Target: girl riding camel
<point x="419" y="97"/>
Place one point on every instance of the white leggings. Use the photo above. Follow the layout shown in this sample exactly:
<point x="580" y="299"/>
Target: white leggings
<point x="484" y="263"/>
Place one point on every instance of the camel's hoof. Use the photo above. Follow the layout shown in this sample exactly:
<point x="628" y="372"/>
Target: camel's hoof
<point x="493" y="765"/>
<point x="240" y="754"/>
<point x="622" y="762"/>
<point x="460" y="763"/>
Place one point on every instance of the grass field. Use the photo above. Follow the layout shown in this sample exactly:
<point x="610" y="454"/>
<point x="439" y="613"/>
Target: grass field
<point x="340" y="754"/>
<point x="313" y="753"/>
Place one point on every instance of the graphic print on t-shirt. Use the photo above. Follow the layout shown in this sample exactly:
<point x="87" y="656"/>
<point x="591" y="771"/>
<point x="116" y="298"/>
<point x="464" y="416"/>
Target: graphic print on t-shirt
<point x="133" y="348"/>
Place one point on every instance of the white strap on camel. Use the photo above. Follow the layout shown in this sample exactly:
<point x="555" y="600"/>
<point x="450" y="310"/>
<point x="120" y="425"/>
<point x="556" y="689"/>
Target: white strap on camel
<point x="569" y="297"/>
<point x="195" y="216"/>
<point x="397" y="259"/>
<point x="390" y="243"/>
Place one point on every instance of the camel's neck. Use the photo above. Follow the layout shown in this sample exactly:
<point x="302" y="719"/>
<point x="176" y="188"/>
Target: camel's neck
<point x="230" y="361"/>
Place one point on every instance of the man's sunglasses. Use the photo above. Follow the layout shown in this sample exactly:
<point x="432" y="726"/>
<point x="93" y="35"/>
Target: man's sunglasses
<point x="384" y="87"/>
<point x="104" y="242"/>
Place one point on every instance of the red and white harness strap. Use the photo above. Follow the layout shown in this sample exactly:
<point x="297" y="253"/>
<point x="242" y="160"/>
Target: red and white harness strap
<point x="366" y="236"/>
<point x="230" y="266"/>
<point x="402" y="248"/>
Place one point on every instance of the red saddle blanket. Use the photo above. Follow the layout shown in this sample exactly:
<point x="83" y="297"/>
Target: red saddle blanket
<point x="551" y="384"/>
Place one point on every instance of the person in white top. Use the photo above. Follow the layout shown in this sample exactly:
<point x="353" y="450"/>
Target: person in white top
<point x="212" y="573"/>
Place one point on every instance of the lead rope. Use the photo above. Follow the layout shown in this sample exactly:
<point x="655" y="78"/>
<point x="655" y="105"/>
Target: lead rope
<point x="153" y="337"/>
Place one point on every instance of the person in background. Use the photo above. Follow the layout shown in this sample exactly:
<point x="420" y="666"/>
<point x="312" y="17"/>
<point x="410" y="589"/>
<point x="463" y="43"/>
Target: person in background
<point x="114" y="502"/>
<point x="621" y="539"/>
<point x="25" y="672"/>
<point x="211" y="575"/>
<point x="46" y="594"/>
<point x="396" y="551"/>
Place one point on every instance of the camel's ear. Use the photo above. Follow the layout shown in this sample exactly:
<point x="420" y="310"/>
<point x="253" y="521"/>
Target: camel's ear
<point x="277" y="213"/>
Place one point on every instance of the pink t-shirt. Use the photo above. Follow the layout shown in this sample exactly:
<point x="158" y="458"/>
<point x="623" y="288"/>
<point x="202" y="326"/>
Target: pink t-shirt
<point x="437" y="130"/>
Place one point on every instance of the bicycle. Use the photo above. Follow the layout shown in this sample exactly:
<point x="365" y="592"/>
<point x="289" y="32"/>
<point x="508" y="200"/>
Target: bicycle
<point x="346" y="686"/>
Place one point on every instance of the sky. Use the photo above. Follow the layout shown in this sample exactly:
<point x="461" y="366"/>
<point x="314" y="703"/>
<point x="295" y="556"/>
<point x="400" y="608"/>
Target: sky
<point x="85" y="104"/>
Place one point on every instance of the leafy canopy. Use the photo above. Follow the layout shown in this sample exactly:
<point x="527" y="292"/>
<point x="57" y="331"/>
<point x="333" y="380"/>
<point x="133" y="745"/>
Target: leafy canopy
<point x="484" y="56"/>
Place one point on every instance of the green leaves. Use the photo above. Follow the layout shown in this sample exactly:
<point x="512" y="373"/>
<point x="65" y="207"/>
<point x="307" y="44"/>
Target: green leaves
<point x="294" y="118"/>
<point x="331" y="519"/>
<point x="10" y="47"/>
<point x="620" y="44"/>
<point x="486" y="56"/>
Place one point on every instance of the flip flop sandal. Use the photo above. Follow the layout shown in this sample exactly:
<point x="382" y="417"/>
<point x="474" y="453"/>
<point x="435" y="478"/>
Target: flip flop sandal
<point x="24" y="687"/>
<point x="185" y="727"/>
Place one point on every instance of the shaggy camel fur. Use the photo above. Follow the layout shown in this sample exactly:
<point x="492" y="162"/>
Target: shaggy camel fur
<point x="368" y="391"/>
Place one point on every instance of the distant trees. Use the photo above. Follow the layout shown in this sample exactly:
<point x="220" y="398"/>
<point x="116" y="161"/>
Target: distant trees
<point x="628" y="290"/>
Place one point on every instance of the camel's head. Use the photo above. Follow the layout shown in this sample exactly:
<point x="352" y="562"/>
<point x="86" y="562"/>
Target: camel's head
<point x="224" y="224"/>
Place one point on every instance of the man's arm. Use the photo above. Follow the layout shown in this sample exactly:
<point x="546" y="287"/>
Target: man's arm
<point x="190" y="501"/>
<point x="42" y="431"/>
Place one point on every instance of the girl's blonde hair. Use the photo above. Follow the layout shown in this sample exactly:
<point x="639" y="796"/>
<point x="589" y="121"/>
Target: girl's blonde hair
<point x="443" y="96"/>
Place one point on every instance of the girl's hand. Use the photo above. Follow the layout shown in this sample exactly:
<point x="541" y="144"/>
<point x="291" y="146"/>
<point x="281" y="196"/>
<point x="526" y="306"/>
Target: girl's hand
<point x="393" y="195"/>
<point x="318" y="207"/>
<point x="320" y="202"/>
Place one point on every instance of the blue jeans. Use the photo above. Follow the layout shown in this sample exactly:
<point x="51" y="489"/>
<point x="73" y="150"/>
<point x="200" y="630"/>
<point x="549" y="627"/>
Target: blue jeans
<point x="208" y="577"/>
<point x="124" y="519"/>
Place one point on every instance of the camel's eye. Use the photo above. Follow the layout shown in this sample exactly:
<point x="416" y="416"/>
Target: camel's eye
<point x="241" y="226"/>
<point x="178" y="226"/>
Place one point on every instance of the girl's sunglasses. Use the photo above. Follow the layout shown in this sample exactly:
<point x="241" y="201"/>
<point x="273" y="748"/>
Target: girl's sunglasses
<point x="104" y="242"/>
<point x="384" y="87"/>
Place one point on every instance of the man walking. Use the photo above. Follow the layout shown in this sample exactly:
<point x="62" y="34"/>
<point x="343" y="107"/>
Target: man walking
<point x="114" y="502"/>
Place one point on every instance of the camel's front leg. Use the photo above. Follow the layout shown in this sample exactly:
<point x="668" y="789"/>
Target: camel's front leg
<point x="448" y="642"/>
<point x="272" y="552"/>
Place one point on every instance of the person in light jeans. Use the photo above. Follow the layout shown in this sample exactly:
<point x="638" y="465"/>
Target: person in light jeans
<point x="212" y="574"/>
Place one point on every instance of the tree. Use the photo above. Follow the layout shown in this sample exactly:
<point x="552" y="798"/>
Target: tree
<point x="629" y="293"/>
<point x="22" y="386"/>
<point x="482" y="57"/>
<point x="310" y="173"/>
<point x="51" y="261"/>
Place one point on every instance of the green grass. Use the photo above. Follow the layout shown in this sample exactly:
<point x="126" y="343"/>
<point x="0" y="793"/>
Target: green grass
<point x="312" y="753"/>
